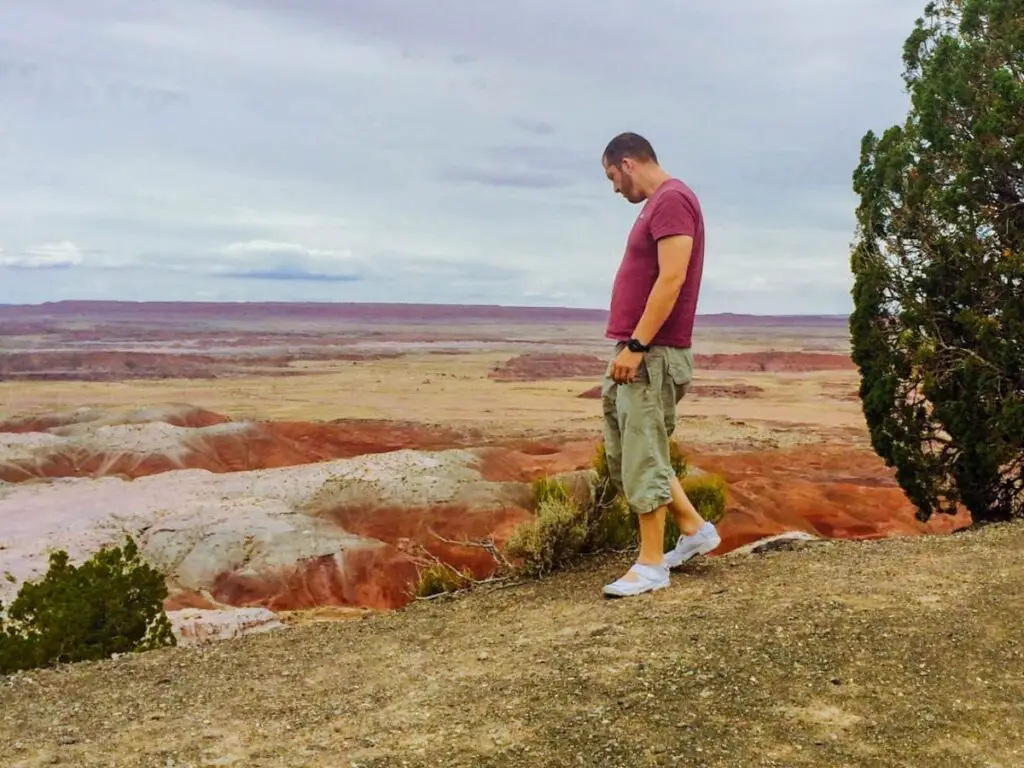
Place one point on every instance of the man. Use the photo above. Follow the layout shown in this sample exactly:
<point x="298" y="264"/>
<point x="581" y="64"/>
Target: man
<point x="653" y="304"/>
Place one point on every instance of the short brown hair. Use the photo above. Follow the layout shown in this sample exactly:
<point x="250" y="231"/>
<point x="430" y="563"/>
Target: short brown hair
<point x="629" y="145"/>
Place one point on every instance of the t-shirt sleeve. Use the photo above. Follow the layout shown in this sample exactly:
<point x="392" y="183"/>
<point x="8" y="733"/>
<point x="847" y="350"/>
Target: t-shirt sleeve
<point x="673" y="215"/>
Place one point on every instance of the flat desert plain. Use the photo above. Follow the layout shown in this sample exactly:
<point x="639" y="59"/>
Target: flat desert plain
<point x="281" y="458"/>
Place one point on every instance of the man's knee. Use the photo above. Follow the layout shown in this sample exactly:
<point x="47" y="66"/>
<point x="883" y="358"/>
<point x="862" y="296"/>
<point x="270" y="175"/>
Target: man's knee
<point x="647" y="484"/>
<point x="646" y="465"/>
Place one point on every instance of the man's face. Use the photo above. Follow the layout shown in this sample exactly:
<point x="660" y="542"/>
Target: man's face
<point x="622" y="178"/>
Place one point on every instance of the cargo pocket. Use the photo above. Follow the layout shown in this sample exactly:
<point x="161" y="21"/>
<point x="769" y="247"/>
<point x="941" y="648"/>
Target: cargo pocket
<point x="680" y="367"/>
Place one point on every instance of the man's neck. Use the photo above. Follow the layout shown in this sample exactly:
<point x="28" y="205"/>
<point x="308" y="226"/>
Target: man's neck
<point x="653" y="179"/>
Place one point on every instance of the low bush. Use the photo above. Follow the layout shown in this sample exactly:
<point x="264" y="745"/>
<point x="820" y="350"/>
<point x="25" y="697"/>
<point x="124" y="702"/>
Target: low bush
<point x="708" y="495"/>
<point x="440" y="578"/>
<point x="112" y="603"/>
<point x="553" y="538"/>
<point x="564" y="529"/>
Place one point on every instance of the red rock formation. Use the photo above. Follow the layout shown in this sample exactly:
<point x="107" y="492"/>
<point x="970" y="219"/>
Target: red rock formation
<point x="221" y="447"/>
<point x="432" y="531"/>
<point x="181" y="599"/>
<point x="538" y="366"/>
<point x="828" y="491"/>
<point x="512" y="464"/>
<point x="380" y="578"/>
<point x="175" y="415"/>
<point x="390" y="515"/>
<point x="125" y="447"/>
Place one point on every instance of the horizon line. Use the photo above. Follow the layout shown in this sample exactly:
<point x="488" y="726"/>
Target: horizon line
<point x="410" y="304"/>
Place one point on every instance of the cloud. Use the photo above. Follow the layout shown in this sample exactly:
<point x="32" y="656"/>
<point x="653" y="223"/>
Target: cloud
<point x="536" y="127"/>
<point x="291" y="274"/>
<point x="497" y="178"/>
<point x="270" y="260"/>
<point x="447" y="151"/>
<point x="47" y="256"/>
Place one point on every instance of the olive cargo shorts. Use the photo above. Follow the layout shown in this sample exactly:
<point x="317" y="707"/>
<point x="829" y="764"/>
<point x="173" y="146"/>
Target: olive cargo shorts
<point x="639" y="419"/>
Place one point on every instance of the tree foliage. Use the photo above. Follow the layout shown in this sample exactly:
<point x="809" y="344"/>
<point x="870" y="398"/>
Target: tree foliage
<point x="112" y="603"/>
<point x="938" y="323"/>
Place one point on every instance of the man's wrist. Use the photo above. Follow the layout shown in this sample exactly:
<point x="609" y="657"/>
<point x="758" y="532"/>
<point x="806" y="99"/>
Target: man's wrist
<point x="635" y="345"/>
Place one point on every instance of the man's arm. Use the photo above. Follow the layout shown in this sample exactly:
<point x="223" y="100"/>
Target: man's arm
<point x="673" y="261"/>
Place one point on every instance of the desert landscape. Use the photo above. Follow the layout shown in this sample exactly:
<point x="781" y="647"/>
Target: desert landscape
<point x="275" y="459"/>
<point x="293" y="468"/>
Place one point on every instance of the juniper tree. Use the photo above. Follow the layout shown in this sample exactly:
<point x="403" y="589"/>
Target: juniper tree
<point x="111" y="603"/>
<point x="938" y="324"/>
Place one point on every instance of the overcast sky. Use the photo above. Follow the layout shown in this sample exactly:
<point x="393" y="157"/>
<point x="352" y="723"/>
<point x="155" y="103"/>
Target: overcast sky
<point x="441" y="151"/>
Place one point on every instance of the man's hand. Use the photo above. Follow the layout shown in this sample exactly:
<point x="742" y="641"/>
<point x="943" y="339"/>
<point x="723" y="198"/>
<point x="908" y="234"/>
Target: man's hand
<point x="625" y="365"/>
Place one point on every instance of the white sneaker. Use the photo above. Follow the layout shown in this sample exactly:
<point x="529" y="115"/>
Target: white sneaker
<point x="702" y="542"/>
<point x="649" y="578"/>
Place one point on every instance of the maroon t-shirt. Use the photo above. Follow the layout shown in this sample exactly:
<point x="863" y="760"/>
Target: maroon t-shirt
<point x="673" y="209"/>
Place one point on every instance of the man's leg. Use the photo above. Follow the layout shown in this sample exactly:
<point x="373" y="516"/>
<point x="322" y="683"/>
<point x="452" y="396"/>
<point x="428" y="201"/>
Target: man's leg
<point x="646" y="474"/>
<point x="688" y="519"/>
<point x="697" y="536"/>
<point x="652" y="537"/>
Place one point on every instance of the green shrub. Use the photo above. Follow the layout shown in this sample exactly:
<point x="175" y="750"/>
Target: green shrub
<point x="552" y="539"/>
<point x="675" y="455"/>
<point x="564" y="529"/>
<point x="550" y="489"/>
<point x="677" y="458"/>
<point x="112" y="603"/>
<point x="708" y="495"/>
<point x="611" y="525"/>
<point x="440" y="578"/>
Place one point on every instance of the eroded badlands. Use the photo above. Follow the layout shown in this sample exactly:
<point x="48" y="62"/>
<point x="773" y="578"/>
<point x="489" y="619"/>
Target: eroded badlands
<point x="328" y="483"/>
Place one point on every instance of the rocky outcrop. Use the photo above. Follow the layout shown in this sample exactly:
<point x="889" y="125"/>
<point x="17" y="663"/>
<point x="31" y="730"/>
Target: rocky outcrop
<point x="344" y="532"/>
<point x="825" y="491"/>
<point x="538" y="366"/>
<point x="133" y="444"/>
<point x="175" y="414"/>
<point x="194" y="626"/>
<point x="265" y="515"/>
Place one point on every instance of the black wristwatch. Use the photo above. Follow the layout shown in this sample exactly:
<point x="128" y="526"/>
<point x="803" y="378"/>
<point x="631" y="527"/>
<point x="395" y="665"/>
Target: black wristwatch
<point x="634" y="345"/>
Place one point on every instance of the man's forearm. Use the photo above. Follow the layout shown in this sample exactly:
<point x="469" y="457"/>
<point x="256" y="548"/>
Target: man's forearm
<point x="660" y="302"/>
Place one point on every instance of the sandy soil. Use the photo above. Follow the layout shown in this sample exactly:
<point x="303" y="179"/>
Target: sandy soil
<point x="907" y="652"/>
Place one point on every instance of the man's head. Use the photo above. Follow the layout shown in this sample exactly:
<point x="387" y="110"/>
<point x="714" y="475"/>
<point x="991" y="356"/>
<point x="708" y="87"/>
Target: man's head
<point x="628" y="161"/>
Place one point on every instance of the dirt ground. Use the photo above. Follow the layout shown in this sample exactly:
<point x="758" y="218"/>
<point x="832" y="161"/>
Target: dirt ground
<point x="903" y="652"/>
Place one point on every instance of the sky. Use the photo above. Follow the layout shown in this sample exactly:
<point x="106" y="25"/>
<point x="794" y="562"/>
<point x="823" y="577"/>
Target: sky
<point x="445" y="151"/>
